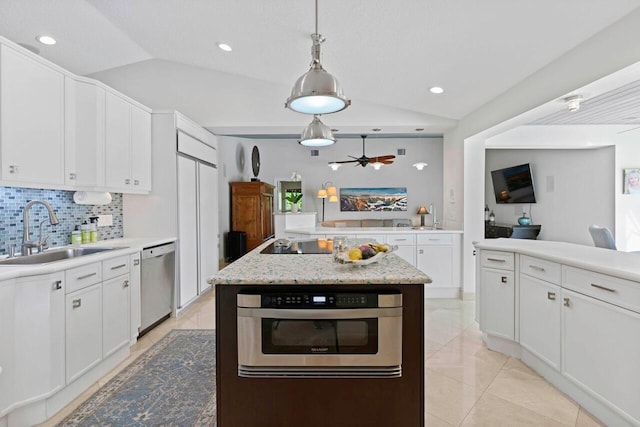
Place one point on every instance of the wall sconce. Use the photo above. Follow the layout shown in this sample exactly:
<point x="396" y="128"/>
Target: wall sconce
<point x="422" y="211"/>
<point x="327" y="191"/>
<point x="334" y="166"/>
<point x="420" y="165"/>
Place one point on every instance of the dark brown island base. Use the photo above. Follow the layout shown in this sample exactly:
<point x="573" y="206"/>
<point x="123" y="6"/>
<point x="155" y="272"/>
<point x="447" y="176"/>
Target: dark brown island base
<point x="304" y="341"/>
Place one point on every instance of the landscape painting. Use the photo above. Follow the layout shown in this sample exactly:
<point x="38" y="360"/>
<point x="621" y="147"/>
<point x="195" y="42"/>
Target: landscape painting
<point x="373" y="199"/>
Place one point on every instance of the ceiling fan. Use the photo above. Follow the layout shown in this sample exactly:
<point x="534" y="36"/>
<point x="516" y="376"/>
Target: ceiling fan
<point x="364" y="160"/>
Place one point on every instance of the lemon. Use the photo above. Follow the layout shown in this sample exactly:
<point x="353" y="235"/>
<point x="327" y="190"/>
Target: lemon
<point x="355" y="254"/>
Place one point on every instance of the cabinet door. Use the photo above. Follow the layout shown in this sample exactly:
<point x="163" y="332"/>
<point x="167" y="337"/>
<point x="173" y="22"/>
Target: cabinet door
<point x="117" y="142"/>
<point x="83" y="314"/>
<point x="84" y="128"/>
<point x="540" y="311"/>
<point x="267" y="216"/>
<point x="31" y="120"/>
<point x="39" y="336"/>
<point x="208" y="223"/>
<point x="497" y="304"/>
<point x="437" y="262"/>
<point x="115" y="314"/>
<point x="187" y="230"/>
<point x="601" y="350"/>
<point x="134" y="281"/>
<point x="140" y="149"/>
<point x="407" y="253"/>
<point x="6" y="344"/>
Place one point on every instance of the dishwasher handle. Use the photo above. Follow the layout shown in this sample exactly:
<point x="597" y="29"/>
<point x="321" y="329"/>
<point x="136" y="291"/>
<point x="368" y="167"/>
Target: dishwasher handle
<point x="159" y="250"/>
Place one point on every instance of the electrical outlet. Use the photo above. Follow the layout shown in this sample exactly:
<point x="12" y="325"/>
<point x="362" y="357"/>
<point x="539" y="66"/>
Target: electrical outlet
<point x="105" y="220"/>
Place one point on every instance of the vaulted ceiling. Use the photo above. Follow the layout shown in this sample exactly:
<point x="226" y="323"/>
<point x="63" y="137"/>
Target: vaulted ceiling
<point x="385" y="53"/>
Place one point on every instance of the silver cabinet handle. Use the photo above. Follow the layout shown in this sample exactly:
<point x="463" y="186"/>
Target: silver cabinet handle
<point x="125" y="284"/>
<point x="118" y="266"/>
<point x="603" y="288"/>
<point x="136" y="182"/>
<point x="76" y="303"/>
<point x="421" y="251"/>
<point x="13" y="169"/>
<point x="535" y="267"/>
<point x="136" y="262"/>
<point x="72" y="176"/>
<point x="551" y="296"/>
<point x="57" y="285"/>
<point x="566" y="302"/>
<point x="496" y="260"/>
<point x="434" y="240"/>
<point x="504" y="279"/>
<point x="400" y="240"/>
<point x="86" y="276"/>
<point x="127" y="181"/>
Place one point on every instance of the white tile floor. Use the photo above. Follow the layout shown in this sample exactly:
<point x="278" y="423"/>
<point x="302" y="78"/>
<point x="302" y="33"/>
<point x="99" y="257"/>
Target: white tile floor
<point x="466" y="384"/>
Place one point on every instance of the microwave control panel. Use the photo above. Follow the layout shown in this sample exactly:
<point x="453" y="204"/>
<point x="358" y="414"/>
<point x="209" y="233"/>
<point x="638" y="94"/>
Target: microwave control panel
<point x="319" y="300"/>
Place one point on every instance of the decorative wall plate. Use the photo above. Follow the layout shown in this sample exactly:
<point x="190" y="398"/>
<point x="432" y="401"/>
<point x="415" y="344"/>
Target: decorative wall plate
<point x="255" y="161"/>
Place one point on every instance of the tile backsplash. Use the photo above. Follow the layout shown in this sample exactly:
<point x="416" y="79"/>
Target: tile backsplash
<point x="70" y="214"/>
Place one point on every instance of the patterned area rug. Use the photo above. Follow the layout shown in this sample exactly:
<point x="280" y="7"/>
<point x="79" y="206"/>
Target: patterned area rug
<point x="172" y="383"/>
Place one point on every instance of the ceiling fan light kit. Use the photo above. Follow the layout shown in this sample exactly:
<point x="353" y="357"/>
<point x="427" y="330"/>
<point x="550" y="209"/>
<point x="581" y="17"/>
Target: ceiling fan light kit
<point x="316" y="134"/>
<point x="420" y="165"/>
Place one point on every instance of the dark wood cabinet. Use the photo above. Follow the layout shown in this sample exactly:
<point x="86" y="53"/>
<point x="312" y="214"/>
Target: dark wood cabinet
<point x="252" y="211"/>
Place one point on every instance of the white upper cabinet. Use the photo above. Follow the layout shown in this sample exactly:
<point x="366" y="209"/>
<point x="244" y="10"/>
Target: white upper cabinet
<point x="84" y="133"/>
<point x="31" y="120"/>
<point x="62" y="131"/>
<point x="127" y="145"/>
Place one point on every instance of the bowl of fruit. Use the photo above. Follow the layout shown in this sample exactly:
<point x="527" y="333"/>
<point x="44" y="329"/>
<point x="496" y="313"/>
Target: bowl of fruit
<point x="364" y="254"/>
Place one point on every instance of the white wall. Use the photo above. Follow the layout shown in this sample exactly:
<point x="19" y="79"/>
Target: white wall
<point x="281" y="157"/>
<point x="574" y="189"/>
<point x="627" y="231"/>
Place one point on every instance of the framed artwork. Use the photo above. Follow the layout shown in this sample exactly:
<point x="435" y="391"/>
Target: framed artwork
<point x="632" y="181"/>
<point x="373" y="199"/>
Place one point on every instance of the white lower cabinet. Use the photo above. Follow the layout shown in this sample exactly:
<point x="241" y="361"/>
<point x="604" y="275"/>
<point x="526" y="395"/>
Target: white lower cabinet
<point x="7" y="289"/>
<point x="540" y="305"/>
<point x="134" y="297"/>
<point x="115" y="314"/>
<point x="84" y="330"/>
<point x="497" y="309"/>
<point x="601" y="351"/>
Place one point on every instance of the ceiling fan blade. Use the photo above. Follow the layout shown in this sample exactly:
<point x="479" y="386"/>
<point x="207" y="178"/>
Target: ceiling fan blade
<point x="382" y="159"/>
<point x="389" y="156"/>
<point x="345" y="161"/>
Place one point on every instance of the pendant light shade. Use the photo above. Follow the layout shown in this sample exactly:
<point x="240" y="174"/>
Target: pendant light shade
<point x="317" y="91"/>
<point x="317" y="134"/>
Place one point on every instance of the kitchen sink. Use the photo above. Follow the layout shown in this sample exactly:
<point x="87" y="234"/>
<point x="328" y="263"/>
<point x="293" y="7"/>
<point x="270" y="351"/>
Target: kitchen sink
<point x="53" y="255"/>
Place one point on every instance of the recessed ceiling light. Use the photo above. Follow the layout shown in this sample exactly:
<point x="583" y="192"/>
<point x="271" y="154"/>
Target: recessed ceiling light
<point x="48" y="40"/>
<point x="225" y="47"/>
<point x="436" y="89"/>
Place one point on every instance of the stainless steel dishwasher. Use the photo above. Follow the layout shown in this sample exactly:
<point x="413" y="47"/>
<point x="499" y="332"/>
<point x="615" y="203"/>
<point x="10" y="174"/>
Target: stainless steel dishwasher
<point x="157" y="283"/>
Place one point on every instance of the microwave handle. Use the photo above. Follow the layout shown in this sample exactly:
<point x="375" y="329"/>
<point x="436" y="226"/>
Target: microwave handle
<point x="318" y="314"/>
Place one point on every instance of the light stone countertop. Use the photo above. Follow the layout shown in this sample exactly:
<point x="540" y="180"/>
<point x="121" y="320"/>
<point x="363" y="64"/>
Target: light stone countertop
<point x="625" y="265"/>
<point x="370" y="230"/>
<point x="125" y="246"/>
<point x="315" y="269"/>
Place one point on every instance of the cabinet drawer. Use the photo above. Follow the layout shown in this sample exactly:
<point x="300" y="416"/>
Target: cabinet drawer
<point x="83" y="276"/>
<point x="435" y="239"/>
<point x="401" y="239"/>
<point x="542" y="269"/>
<point x="115" y="267"/>
<point x="496" y="259"/>
<point x="621" y="292"/>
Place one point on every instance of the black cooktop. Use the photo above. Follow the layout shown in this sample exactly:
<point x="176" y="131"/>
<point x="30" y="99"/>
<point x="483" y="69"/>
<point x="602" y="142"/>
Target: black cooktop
<point x="286" y="247"/>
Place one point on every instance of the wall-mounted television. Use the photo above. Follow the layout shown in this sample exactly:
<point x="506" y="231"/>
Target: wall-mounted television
<point x="513" y="185"/>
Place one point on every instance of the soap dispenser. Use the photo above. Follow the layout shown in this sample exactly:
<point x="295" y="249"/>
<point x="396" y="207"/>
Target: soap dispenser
<point x="85" y="232"/>
<point x="93" y="229"/>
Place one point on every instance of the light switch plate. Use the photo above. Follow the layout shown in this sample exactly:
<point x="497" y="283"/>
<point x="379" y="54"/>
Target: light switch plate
<point x="105" y="220"/>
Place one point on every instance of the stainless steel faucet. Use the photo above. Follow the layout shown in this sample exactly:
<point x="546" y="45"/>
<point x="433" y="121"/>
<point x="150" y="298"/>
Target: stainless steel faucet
<point x="27" y="243"/>
<point x="436" y="223"/>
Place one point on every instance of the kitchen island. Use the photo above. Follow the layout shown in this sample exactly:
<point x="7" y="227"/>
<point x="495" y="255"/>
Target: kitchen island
<point x="282" y="367"/>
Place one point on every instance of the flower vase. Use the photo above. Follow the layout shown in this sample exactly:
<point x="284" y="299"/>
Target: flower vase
<point x="294" y="208"/>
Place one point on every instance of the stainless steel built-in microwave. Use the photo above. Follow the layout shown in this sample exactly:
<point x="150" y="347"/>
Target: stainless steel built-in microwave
<point x="320" y="334"/>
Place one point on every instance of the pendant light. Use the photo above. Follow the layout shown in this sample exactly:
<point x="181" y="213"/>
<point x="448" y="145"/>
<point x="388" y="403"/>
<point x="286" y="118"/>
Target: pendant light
<point x="317" y="134"/>
<point x="317" y="91"/>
